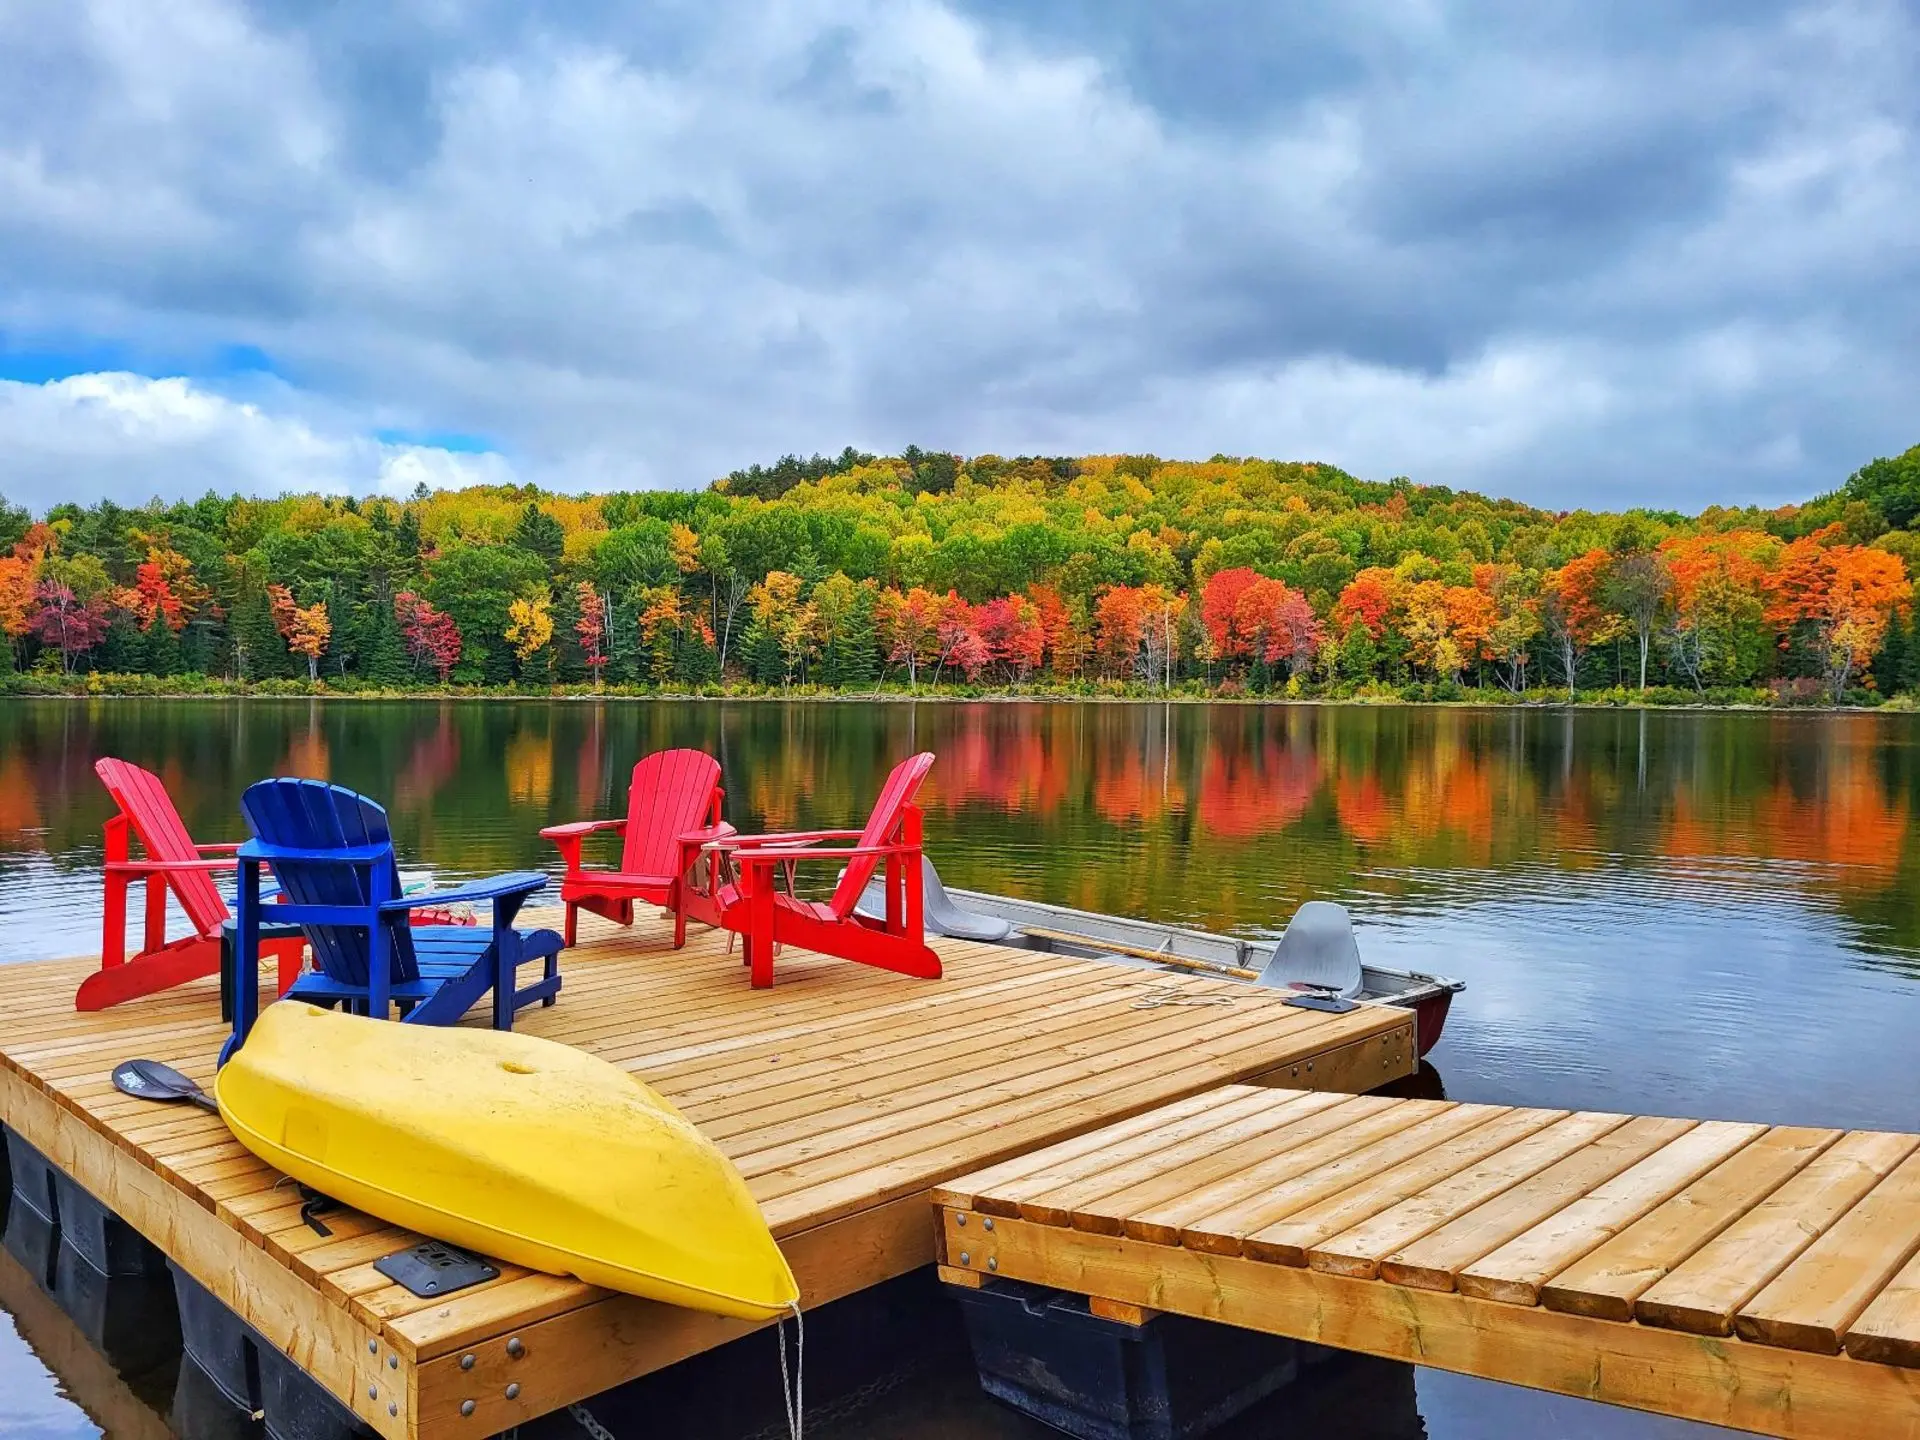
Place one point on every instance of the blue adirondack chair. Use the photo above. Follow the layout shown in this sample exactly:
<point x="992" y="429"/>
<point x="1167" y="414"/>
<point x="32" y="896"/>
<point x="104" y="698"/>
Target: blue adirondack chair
<point x="332" y="854"/>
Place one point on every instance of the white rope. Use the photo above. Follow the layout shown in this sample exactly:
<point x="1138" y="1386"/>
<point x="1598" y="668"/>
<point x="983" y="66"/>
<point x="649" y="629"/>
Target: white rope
<point x="790" y="1387"/>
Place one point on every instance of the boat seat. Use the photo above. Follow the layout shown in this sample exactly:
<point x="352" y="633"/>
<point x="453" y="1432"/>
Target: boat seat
<point x="940" y="915"/>
<point x="1317" y="952"/>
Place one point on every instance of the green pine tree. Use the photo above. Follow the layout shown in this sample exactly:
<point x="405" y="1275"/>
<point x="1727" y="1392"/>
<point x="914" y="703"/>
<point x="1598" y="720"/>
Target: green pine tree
<point x="852" y="656"/>
<point x="698" y="662"/>
<point x="163" y="649"/>
<point x="1890" y="665"/>
<point x="124" y="650"/>
<point x="765" y="664"/>
<point x="258" y="651"/>
<point x="625" y="663"/>
<point x="203" y="645"/>
<point x="382" y="648"/>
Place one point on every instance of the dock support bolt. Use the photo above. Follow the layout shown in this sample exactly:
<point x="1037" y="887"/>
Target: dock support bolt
<point x="988" y="1222"/>
<point x="515" y="1348"/>
<point x="993" y="1263"/>
<point x="959" y="1219"/>
<point x="513" y="1391"/>
<point x="373" y="1347"/>
<point x="965" y="1259"/>
<point x="393" y="1362"/>
<point x="466" y="1362"/>
<point x="466" y="1407"/>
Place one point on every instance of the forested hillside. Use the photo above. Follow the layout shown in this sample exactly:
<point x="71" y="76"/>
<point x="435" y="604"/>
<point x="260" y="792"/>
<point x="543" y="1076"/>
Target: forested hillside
<point x="1103" y="573"/>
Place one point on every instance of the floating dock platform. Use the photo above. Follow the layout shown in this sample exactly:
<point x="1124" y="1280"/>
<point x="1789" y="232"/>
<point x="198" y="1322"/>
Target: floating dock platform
<point x="844" y="1095"/>
<point x="1764" y="1278"/>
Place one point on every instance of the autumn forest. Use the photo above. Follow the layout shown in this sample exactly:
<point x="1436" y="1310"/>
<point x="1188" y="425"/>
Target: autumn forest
<point x="1123" y="575"/>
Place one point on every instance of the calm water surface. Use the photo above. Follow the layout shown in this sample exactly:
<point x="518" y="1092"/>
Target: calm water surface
<point x="1705" y="915"/>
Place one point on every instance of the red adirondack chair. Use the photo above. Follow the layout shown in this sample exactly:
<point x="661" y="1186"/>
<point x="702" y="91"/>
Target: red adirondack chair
<point x="750" y="902"/>
<point x="673" y="808"/>
<point x="174" y="863"/>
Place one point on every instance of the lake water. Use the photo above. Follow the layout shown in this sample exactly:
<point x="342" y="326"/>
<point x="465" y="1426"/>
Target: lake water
<point x="1686" y="914"/>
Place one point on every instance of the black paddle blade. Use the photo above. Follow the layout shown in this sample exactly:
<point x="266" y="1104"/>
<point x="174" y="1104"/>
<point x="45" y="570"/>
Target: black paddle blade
<point x="150" y="1080"/>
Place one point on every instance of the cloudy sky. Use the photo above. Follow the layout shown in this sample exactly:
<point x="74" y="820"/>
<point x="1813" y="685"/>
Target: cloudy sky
<point x="1646" y="251"/>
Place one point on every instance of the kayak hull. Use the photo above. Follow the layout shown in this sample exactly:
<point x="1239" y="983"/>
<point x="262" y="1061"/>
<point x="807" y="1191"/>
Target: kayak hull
<point x="516" y="1147"/>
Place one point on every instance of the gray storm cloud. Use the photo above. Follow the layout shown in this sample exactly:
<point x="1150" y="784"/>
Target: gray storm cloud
<point x="1632" y="254"/>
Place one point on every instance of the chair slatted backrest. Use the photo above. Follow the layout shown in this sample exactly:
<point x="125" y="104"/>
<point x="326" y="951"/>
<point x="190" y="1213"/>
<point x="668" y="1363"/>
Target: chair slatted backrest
<point x="143" y="799"/>
<point x="883" y="828"/>
<point x="313" y="815"/>
<point x="672" y="793"/>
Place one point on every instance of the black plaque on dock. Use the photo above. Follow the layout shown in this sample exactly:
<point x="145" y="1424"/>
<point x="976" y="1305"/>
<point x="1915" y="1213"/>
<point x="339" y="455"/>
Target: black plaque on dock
<point x="430" y="1269"/>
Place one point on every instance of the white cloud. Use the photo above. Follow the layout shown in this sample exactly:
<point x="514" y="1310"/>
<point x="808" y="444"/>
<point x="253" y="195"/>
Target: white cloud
<point x="129" y="438"/>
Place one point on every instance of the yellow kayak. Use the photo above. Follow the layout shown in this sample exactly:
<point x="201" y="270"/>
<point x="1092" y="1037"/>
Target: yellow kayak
<point x="513" y="1146"/>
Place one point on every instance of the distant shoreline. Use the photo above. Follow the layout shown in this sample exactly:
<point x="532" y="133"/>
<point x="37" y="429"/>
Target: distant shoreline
<point x="1532" y="700"/>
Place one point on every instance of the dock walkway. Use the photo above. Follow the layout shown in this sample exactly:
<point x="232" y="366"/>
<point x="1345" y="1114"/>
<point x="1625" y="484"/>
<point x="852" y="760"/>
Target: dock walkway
<point x="843" y="1094"/>
<point x="1760" y="1277"/>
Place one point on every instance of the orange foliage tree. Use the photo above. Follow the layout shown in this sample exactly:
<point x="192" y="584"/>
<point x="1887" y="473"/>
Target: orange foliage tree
<point x="305" y="628"/>
<point x="1572" y="614"/>
<point x="1843" y="594"/>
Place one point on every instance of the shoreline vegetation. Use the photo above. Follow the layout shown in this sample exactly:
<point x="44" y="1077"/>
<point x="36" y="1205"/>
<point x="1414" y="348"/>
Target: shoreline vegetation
<point x="935" y="575"/>
<point x="97" y="686"/>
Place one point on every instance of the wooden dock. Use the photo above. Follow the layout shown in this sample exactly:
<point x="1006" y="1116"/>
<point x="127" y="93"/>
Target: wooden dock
<point x="844" y="1094"/>
<point x="1745" y="1275"/>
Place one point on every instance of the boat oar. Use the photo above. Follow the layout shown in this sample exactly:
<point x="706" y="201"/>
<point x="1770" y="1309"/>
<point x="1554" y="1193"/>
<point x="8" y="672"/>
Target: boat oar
<point x="150" y="1080"/>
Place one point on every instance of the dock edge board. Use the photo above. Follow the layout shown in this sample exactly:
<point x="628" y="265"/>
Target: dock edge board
<point x="1793" y="1394"/>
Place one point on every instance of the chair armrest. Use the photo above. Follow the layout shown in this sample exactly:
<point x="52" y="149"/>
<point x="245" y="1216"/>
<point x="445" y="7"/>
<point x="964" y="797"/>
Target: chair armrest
<point x="708" y="834"/>
<point x="771" y="855"/>
<point x="163" y="867"/>
<point x="495" y="887"/>
<point x="578" y="828"/>
<point x="341" y="855"/>
<point x="790" y="837"/>
<point x="224" y="847"/>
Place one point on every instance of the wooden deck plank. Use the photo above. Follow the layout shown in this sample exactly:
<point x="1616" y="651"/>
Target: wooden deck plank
<point x="1073" y="1185"/>
<point x="1703" y="1293"/>
<point x="1196" y="1217"/>
<point x="1433" y="1262"/>
<point x="1359" y="1250"/>
<point x="1606" y="1282"/>
<point x="1515" y="1272"/>
<point x="1889" y="1331"/>
<point x="1811" y="1304"/>
<point x="1003" y="1180"/>
<point x="1287" y="1241"/>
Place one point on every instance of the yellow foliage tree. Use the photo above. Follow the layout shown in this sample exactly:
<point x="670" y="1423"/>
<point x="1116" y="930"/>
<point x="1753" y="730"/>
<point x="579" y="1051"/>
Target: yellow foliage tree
<point x="529" y="626"/>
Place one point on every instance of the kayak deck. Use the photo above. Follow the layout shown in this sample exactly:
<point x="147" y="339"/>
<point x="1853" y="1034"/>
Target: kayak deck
<point x="843" y="1095"/>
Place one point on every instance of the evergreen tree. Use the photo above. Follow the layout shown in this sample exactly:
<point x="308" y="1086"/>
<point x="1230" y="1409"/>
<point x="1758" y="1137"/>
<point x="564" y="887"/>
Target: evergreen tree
<point x="124" y="650"/>
<point x="625" y="663"/>
<point x="163" y="655"/>
<point x="765" y="664"/>
<point x="259" y="652"/>
<point x="1891" y="665"/>
<point x="382" y="648"/>
<point x="541" y="534"/>
<point x="851" y="658"/>
<point x="203" y="645"/>
<point x="698" y="662"/>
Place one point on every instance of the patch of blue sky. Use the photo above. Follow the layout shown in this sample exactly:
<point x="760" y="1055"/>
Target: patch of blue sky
<point x="454" y="440"/>
<point x="40" y="361"/>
